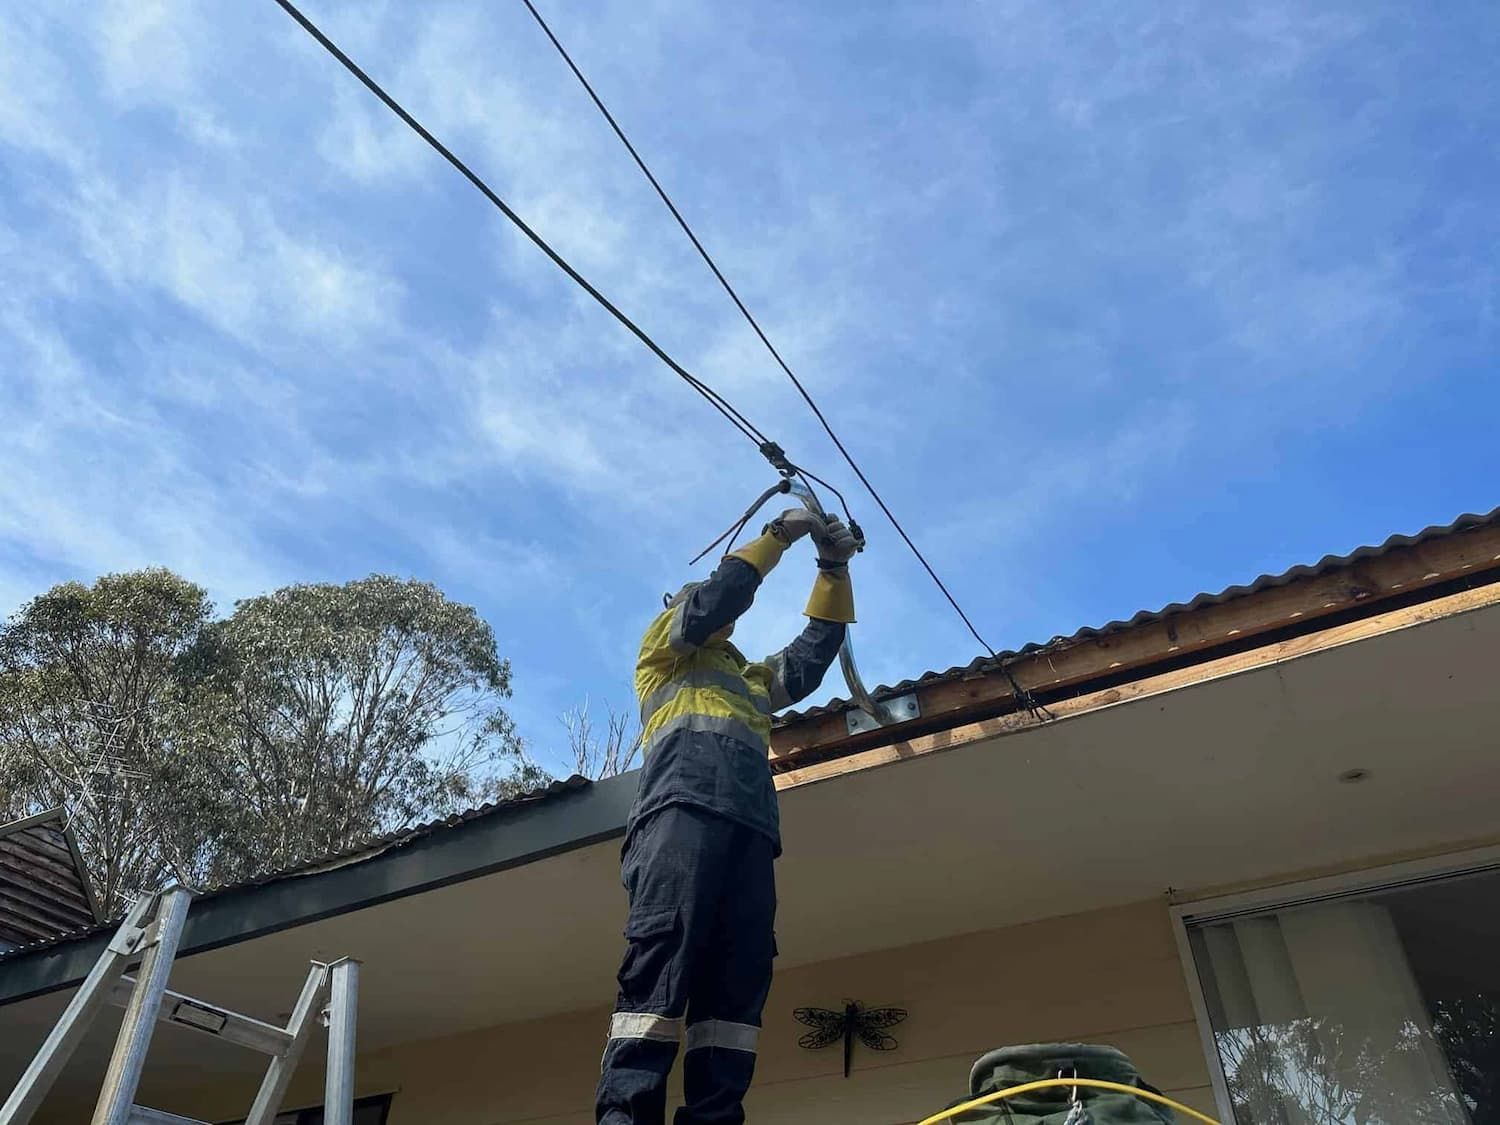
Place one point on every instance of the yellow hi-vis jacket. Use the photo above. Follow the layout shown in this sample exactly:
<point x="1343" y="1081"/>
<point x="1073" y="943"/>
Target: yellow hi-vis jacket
<point x="706" y="710"/>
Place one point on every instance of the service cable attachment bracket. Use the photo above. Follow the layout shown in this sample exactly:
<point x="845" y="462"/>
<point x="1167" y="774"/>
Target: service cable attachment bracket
<point x="899" y="709"/>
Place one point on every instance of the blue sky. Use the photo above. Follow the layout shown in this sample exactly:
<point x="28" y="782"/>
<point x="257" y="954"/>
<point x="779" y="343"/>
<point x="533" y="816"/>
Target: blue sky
<point x="1115" y="303"/>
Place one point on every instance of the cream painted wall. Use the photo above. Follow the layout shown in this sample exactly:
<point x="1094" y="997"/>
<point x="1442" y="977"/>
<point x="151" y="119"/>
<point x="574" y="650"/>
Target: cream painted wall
<point x="1110" y="976"/>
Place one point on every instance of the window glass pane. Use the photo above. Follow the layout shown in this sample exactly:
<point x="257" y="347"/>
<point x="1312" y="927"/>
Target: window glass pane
<point x="1380" y="1010"/>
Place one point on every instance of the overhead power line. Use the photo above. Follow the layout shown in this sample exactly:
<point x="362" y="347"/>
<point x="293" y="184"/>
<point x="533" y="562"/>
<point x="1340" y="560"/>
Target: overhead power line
<point x="764" y="339"/>
<point x="735" y="418"/>
<point x="739" y="421"/>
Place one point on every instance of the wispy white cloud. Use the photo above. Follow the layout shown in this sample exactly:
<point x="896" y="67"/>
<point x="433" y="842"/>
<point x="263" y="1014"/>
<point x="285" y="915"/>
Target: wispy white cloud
<point x="235" y="266"/>
<point x="95" y="483"/>
<point x="34" y="90"/>
<point x="1047" y="268"/>
<point x="150" y="50"/>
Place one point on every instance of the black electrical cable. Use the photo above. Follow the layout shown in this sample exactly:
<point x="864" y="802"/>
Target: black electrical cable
<point x="764" y="339"/>
<point x="738" y="420"/>
<point x="809" y="479"/>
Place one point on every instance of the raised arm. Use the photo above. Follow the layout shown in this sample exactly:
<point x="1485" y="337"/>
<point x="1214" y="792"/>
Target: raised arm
<point x="703" y="609"/>
<point x="798" y="669"/>
<point x="711" y="605"/>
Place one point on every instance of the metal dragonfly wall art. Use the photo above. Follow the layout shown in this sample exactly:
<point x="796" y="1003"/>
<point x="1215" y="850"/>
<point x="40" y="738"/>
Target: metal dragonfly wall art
<point x="854" y="1021"/>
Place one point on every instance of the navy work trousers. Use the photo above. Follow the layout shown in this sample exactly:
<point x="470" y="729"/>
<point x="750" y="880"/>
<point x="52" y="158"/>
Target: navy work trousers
<point x="697" y="967"/>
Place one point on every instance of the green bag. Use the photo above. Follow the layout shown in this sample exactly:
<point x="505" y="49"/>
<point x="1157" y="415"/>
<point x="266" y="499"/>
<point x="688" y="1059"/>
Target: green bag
<point x="1013" y="1066"/>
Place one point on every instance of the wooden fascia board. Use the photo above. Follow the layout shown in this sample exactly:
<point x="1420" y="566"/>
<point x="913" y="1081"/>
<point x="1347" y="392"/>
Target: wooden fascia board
<point x="1363" y="584"/>
<point x="1365" y="628"/>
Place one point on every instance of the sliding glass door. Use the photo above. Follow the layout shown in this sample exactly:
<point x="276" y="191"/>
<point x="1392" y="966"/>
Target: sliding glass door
<point x="1375" y="1009"/>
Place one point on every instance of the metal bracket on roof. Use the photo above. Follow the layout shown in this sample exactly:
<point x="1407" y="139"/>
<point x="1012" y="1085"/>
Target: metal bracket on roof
<point x="901" y="709"/>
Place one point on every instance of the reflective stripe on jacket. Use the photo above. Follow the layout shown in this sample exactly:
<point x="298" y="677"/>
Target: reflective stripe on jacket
<point x="706" y="710"/>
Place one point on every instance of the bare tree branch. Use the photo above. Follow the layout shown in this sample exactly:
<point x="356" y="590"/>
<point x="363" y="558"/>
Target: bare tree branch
<point x="598" y="756"/>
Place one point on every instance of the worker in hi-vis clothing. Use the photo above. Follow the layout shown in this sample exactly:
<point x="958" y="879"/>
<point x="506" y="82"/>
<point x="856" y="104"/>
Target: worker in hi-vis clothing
<point x="704" y="830"/>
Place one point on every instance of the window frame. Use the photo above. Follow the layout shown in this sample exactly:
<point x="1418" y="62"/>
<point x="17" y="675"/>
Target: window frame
<point x="1302" y="892"/>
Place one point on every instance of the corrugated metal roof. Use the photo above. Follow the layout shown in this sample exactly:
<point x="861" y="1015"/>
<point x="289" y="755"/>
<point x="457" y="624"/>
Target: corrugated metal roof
<point x="401" y="837"/>
<point x="1327" y="563"/>
<point x="980" y="666"/>
<point x="375" y="845"/>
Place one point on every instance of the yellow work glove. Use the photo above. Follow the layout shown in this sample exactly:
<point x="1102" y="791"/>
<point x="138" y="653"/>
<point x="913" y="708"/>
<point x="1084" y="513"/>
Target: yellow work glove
<point x="764" y="553"/>
<point x="836" y="543"/>
<point x="832" y="597"/>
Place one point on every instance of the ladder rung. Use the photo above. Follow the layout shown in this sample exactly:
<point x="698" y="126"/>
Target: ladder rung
<point x="183" y="1011"/>
<point x="140" y="1115"/>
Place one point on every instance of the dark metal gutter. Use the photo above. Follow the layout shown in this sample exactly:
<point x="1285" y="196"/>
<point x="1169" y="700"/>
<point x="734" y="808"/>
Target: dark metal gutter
<point x="512" y="836"/>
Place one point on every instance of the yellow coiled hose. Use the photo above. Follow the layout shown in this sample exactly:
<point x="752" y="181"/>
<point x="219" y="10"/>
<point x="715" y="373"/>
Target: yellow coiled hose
<point x="1054" y="1083"/>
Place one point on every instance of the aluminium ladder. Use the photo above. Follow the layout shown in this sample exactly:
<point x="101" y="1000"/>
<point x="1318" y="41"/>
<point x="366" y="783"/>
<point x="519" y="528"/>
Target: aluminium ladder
<point x="150" y="935"/>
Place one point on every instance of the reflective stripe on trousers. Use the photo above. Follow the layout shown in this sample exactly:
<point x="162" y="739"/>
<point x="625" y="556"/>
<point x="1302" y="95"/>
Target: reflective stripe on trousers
<point x="667" y="1029"/>
<point x="722" y="1033"/>
<point x="645" y="1025"/>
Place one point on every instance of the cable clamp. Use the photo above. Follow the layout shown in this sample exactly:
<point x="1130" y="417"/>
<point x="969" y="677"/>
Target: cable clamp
<point x="777" y="456"/>
<point x="1034" y="707"/>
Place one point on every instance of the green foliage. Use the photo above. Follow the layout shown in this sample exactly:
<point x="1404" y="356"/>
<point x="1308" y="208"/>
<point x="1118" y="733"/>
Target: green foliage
<point x="90" y="710"/>
<point x="333" y="712"/>
<point x="304" y="723"/>
<point x="1318" y="1071"/>
<point x="1468" y="1028"/>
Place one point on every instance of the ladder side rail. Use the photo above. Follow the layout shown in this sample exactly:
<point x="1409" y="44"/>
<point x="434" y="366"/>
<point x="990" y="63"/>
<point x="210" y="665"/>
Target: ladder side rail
<point x="338" y="1090"/>
<point x="125" y="1065"/>
<point x="92" y="995"/>
<point x="305" y="1015"/>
